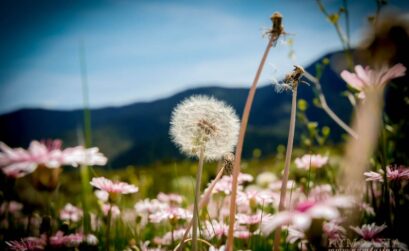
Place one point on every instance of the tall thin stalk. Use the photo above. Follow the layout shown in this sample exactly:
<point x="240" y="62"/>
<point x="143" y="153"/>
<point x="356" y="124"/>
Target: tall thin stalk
<point x="327" y="109"/>
<point x="276" y="31"/>
<point x="84" y="172"/>
<point x="202" y="203"/>
<point x="290" y="142"/>
<point x="367" y="123"/>
<point x="344" y="38"/>
<point x="197" y="194"/>
<point x="108" y="228"/>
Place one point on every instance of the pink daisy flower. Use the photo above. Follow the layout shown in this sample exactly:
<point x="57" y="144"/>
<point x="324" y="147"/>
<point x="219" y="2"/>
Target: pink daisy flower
<point x="242" y="233"/>
<point x="171" y="214"/>
<point x="172" y="198"/>
<point x="27" y="244"/>
<point x="373" y="176"/>
<point x="305" y="211"/>
<point x="71" y="213"/>
<point x="333" y="230"/>
<point x="71" y="240"/>
<point x="12" y="207"/>
<point x="115" y="211"/>
<point x="369" y="232"/>
<point x="393" y="173"/>
<point x="146" y="207"/>
<point x="113" y="187"/>
<point x="246" y="219"/>
<point x="215" y="229"/>
<point x="18" y="162"/>
<point x="254" y="198"/>
<point x="311" y="161"/>
<point x="365" y="78"/>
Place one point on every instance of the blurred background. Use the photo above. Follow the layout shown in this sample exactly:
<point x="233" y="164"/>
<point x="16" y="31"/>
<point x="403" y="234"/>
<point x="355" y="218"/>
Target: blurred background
<point x="131" y="62"/>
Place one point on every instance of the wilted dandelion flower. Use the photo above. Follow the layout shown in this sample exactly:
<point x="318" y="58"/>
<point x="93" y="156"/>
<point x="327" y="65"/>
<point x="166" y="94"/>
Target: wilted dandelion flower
<point x="204" y="123"/>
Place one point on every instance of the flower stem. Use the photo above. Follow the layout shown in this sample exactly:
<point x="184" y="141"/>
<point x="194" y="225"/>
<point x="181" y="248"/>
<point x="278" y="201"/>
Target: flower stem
<point x="239" y="147"/>
<point x="197" y="196"/>
<point x="202" y="203"/>
<point x="327" y="109"/>
<point x="290" y="142"/>
<point x="108" y="230"/>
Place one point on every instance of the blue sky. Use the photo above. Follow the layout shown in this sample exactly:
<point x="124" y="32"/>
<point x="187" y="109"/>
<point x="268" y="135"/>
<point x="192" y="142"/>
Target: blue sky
<point x="143" y="50"/>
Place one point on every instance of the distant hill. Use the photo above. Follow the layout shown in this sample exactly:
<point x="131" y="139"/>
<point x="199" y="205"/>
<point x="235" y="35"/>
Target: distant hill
<point x="138" y="133"/>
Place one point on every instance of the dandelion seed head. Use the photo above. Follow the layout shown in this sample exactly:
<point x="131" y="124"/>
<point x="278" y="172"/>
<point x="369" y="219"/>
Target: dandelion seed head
<point x="281" y="87"/>
<point x="204" y="122"/>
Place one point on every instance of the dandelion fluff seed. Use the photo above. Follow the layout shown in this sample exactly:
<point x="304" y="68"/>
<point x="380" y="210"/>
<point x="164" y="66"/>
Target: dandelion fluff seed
<point x="202" y="121"/>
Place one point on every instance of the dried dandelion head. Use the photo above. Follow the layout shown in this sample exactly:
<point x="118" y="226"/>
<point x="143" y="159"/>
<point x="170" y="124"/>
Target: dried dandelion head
<point x="290" y="81"/>
<point x="202" y="122"/>
<point x="277" y="29"/>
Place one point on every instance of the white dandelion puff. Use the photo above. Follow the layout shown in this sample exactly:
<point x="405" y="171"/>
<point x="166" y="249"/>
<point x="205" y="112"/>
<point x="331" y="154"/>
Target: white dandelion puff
<point x="202" y="122"/>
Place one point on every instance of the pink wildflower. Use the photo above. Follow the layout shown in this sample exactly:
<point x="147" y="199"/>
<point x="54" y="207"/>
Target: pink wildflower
<point x="373" y="176"/>
<point x="146" y="207"/>
<point x="245" y="219"/>
<point x="253" y="198"/>
<point x="70" y="213"/>
<point x="167" y="238"/>
<point x="171" y="214"/>
<point x="311" y="161"/>
<point x="77" y="156"/>
<point x="115" y="211"/>
<point x="369" y="232"/>
<point x="215" y="229"/>
<point x="223" y="186"/>
<point x="366" y="78"/>
<point x="333" y="230"/>
<point x="11" y="207"/>
<point x="276" y="185"/>
<point x="102" y="195"/>
<point x="113" y="187"/>
<point x="397" y="172"/>
<point x="242" y="233"/>
<point x="302" y="214"/>
<point x="71" y="240"/>
<point x="172" y="198"/>
<point x="27" y="244"/>
<point x="18" y="162"/>
<point x="393" y="173"/>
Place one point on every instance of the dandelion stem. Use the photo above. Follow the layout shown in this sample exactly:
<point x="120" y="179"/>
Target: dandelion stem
<point x="239" y="147"/>
<point x="202" y="203"/>
<point x="327" y="109"/>
<point x="290" y="142"/>
<point x="197" y="196"/>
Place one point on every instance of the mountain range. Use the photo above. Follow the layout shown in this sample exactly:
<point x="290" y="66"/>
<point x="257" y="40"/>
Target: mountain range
<point x="138" y="133"/>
